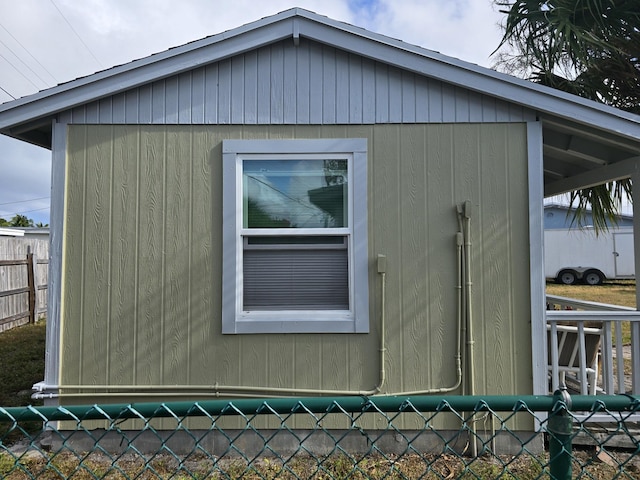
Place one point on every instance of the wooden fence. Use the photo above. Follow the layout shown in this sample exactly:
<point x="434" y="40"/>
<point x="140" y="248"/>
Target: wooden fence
<point x="23" y="280"/>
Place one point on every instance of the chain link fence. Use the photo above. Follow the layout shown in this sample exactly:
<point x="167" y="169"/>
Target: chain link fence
<point x="525" y="437"/>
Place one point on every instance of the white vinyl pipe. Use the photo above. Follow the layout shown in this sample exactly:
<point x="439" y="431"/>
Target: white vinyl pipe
<point x="470" y="340"/>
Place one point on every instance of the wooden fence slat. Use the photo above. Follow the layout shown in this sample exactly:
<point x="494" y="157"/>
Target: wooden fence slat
<point x="31" y="306"/>
<point x="11" y="263"/>
<point x="16" y="291"/>
<point x="13" y="318"/>
<point x="31" y="286"/>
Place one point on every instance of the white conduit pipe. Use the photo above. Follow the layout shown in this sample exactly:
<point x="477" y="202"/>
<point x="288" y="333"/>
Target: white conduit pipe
<point x="463" y="291"/>
<point x="464" y="225"/>
<point x="470" y="339"/>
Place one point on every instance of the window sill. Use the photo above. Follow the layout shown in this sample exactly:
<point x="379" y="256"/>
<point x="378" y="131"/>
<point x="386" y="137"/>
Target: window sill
<point x="295" y="322"/>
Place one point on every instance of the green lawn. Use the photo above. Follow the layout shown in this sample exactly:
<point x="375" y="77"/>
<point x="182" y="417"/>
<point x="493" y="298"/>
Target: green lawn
<point x="618" y="292"/>
<point x="615" y="292"/>
<point x="22" y="365"/>
<point x="22" y="360"/>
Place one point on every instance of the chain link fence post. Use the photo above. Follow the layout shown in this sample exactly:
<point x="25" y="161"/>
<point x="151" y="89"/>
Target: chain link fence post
<point x="560" y="429"/>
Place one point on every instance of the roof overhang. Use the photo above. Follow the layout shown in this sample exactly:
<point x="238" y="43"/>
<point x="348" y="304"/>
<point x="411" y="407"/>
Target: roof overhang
<point x="585" y="143"/>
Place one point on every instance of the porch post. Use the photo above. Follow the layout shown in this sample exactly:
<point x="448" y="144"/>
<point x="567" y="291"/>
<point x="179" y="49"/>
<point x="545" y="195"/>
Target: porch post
<point x="54" y="279"/>
<point x="635" y="326"/>
<point x="536" y="258"/>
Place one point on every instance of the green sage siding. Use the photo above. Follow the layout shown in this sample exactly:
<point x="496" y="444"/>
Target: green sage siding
<point x="141" y="294"/>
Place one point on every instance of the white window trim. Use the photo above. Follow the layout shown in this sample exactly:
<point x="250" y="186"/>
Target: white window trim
<point x="234" y="320"/>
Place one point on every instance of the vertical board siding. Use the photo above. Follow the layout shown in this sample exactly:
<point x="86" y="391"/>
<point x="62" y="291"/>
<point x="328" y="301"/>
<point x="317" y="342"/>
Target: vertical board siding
<point x="307" y="84"/>
<point x="97" y="274"/>
<point x="123" y="251"/>
<point x="150" y="196"/>
<point x="142" y="261"/>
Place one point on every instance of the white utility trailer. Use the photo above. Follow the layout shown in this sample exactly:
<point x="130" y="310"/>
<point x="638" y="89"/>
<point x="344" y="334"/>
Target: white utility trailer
<point x="579" y="255"/>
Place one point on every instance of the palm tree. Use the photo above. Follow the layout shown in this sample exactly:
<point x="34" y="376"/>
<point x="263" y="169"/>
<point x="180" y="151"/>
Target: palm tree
<point x="21" y="221"/>
<point x="589" y="48"/>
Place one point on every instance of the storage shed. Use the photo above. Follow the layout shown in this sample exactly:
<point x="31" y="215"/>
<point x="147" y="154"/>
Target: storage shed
<point x="299" y="206"/>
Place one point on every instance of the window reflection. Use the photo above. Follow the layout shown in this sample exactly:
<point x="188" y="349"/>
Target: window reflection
<point x="292" y="193"/>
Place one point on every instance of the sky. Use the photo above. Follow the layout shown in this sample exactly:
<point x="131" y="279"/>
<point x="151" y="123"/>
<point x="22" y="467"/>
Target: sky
<point x="47" y="42"/>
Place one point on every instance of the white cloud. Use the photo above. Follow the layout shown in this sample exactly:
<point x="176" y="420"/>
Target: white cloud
<point x="464" y="29"/>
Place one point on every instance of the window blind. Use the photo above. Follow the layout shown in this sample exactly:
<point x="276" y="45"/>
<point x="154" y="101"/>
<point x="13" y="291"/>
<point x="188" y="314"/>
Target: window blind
<point x="296" y="279"/>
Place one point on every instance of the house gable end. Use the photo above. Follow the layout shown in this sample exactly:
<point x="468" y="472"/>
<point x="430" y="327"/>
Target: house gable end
<point x="329" y="85"/>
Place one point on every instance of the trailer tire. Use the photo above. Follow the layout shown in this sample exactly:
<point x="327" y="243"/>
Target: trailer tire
<point x="593" y="277"/>
<point x="567" y="277"/>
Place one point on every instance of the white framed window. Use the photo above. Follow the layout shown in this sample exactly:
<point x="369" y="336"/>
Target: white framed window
<point x="295" y="236"/>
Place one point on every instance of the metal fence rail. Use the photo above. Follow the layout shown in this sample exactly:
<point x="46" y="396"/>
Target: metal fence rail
<point x="525" y="437"/>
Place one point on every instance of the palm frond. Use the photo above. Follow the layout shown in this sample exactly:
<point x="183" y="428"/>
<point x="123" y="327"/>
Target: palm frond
<point x="589" y="48"/>
<point x="603" y="201"/>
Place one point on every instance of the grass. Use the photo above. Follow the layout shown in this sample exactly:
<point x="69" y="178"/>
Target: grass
<point x="619" y="292"/>
<point x="338" y="466"/>
<point x="22" y="358"/>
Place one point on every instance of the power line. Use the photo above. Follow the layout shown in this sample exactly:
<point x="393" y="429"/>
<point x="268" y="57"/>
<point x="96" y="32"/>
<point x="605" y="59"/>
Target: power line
<point x="23" y="62"/>
<point x="55" y="80"/>
<point x="7" y="93"/>
<point x="76" y="33"/>
<point x="20" y="213"/>
<point x="24" y="201"/>
<point x="16" y="69"/>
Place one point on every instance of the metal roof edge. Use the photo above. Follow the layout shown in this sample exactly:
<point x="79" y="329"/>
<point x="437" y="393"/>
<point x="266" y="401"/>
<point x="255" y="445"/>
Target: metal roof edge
<point x="11" y="232"/>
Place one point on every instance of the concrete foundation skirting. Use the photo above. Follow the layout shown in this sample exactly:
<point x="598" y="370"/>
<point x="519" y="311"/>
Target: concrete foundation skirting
<point x="287" y="443"/>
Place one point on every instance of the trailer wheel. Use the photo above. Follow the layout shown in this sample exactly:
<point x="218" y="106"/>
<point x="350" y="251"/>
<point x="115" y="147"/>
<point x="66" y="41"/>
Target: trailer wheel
<point x="593" y="277"/>
<point x="567" y="277"/>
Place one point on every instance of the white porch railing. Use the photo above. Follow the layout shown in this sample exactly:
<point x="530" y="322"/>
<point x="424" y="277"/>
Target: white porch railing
<point x="574" y="324"/>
